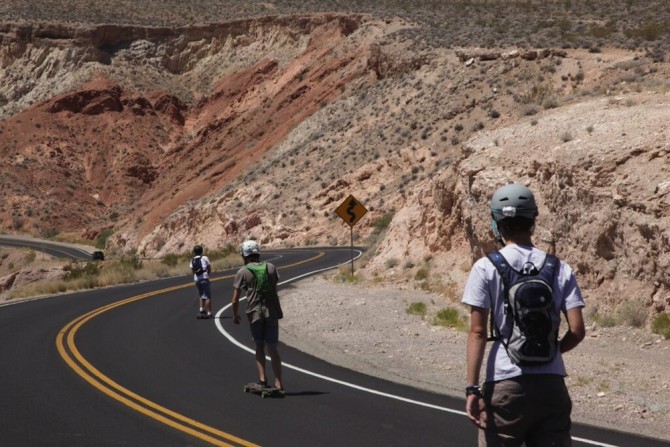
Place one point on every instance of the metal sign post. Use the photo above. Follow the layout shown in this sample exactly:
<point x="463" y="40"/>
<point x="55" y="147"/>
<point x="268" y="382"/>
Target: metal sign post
<point x="351" y="211"/>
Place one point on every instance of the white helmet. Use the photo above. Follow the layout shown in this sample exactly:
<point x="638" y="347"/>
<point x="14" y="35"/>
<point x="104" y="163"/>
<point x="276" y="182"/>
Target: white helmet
<point x="249" y="248"/>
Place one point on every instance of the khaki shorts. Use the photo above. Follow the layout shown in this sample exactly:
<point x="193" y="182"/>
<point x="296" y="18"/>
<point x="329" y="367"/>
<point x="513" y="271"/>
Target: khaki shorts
<point x="533" y="408"/>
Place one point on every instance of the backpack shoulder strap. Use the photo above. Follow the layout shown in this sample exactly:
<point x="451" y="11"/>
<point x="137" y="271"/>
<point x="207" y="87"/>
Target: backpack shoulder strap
<point x="254" y="268"/>
<point x="503" y="269"/>
<point x="551" y="264"/>
<point x="501" y="265"/>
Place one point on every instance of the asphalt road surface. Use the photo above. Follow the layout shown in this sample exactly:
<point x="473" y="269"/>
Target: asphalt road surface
<point x="132" y="366"/>
<point x="56" y="249"/>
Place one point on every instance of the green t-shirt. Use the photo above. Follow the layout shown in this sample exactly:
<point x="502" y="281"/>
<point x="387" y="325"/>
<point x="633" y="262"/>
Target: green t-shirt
<point x="259" y="281"/>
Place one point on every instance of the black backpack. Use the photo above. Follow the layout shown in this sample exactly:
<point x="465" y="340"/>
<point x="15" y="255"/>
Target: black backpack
<point x="529" y="301"/>
<point x="196" y="265"/>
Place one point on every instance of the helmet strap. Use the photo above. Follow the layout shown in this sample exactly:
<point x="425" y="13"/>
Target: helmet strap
<point x="496" y="233"/>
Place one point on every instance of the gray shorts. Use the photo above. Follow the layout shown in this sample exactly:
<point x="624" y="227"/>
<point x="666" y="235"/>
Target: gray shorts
<point x="533" y="408"/>
<point x="265" y="330"/>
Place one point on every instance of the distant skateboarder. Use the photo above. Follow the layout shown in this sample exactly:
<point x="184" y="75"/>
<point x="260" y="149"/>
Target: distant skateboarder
<point x="202" y="268"/>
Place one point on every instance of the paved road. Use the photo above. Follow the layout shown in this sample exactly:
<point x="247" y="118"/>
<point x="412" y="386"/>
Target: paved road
<point x="131" y="366"/>
<point x="56" y="249"/>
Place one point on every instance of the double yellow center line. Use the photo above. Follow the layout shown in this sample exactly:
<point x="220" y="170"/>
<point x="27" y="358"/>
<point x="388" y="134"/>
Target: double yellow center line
<point x="65" y="343"/>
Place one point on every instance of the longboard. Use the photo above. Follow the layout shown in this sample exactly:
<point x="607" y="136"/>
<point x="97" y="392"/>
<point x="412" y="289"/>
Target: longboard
<point x="263" y="391"/>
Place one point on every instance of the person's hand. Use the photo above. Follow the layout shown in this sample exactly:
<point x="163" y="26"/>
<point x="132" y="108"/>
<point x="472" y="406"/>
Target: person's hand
<point x="236" y="319"/>
<point x="476" y="410"/>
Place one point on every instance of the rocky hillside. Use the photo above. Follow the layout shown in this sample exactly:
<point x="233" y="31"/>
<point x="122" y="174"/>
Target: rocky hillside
<point x="261" y="126"/>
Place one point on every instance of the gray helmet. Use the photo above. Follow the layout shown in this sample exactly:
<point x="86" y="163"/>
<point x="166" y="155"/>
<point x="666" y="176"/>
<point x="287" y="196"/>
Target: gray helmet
<point x="513" y="200"/>
<point x="197" y="250"/>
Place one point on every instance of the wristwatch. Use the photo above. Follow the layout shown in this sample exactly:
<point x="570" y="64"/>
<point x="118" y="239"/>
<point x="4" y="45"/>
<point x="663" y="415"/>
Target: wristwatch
<point x="473" y="389"/>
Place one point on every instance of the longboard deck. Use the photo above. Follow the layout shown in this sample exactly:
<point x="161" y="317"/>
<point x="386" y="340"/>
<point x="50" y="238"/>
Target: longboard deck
<point x="263" y="391"/>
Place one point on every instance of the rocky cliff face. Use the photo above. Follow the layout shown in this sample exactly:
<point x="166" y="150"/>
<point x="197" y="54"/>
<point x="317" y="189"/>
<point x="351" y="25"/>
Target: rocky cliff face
<point x="261" y="128"/>
<point x="153" y="118"/>
<point x="604" y="196"/>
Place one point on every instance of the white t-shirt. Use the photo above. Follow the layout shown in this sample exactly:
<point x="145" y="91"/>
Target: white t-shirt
<point x="484" y="282"/>
<point x="205" y="264"/>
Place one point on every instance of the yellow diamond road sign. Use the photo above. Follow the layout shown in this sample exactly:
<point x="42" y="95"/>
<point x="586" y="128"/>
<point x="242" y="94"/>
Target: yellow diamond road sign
<point x="351" y="210"/>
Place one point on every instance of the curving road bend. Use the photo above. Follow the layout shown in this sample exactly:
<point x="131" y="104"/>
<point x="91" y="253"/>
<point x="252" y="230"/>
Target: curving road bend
<point x="131" y="365"/>
<point x="56" y="249"/>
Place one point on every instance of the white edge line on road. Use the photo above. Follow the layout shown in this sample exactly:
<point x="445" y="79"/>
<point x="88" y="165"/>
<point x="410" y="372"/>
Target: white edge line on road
<point x="219" y="326"/>
<point x="320" y="376"/>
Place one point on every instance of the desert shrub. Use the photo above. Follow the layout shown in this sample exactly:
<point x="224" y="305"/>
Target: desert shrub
<point x="566" y="136"/>
<point x="50" y="233"/>
<point x="449" y="317"/>
<point x="421" y="274"/>
<point x="529" y="110"/>
<point x="631" y="313"/>
<point x="417" y="308"/>
<point x="661" y="325"/>
<point x="171" y="259"/>
<point x="601" y="31"/>
<point x="30" y="256"/>
<point x="390" y="263"/>
<point x="101" y="240"/>
<point x="344" y="275"/>
<point x="131" y="261"/>
<point x="550" y="102"/>
<point x="226" y="262"/>
<point x="76" y="271"/>
<point x="382" y="222"/>
<point x="649" y="31"/>
<point x="603" y="320"/>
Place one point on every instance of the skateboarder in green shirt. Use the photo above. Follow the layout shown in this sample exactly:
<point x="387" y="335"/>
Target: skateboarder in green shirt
<point x="259" y="281"/>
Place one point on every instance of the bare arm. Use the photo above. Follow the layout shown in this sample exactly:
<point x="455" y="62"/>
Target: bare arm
<point x="475" y="356"/>
<point x="576" y="330"/>
<point x="236" y="304"/>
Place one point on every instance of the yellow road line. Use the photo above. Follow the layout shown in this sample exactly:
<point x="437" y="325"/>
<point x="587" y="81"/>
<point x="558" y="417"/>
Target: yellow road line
<point x="103" y="383"/>
<point x="66" y="341"/>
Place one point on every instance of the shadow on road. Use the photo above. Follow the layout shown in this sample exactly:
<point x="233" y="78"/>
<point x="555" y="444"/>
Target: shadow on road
<point x="304" y="393"/>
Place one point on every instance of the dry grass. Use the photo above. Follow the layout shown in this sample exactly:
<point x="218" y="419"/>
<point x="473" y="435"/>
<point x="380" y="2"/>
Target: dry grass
<point x="90" y="275"/>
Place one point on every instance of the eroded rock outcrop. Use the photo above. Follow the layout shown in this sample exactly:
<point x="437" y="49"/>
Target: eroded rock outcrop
<point x="604" y="200"/>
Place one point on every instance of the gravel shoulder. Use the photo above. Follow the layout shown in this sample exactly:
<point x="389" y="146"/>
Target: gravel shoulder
<point x="618" y="377"/>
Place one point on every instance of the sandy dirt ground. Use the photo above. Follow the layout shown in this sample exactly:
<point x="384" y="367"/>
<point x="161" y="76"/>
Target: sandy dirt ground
<point x="618" y="377"/>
